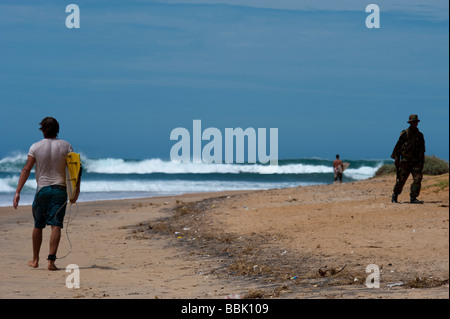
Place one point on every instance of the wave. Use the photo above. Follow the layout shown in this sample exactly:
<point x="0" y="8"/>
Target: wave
<point x="179" y="186"/>
<point x="111" y="176"/>
<point x="15" y="163"/>
<point x="93" y="190"/>
<point x="104" y="190"/>
<point x="9" y="184"/>
<point x="151" y="166"/>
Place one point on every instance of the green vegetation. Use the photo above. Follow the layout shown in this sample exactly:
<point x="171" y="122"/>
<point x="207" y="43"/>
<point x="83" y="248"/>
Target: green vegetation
<point x="440" y="185"/>
<point x="386" y="169"/>
<point x="433" y="166"/>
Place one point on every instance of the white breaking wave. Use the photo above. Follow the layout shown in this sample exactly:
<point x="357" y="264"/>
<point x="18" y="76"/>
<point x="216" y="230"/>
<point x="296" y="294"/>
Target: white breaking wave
<point x="178" y="186"/>
<point x="94" y="186"/>
<point x="14" y="164"/>
<point x="150" y="166"/>
<point x="101" y="190"/>
<point x="361" y="173"/>
<point x="9" y="184"/>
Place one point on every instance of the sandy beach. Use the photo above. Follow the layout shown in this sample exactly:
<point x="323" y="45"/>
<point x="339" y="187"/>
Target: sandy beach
<point x="293" y="243"/>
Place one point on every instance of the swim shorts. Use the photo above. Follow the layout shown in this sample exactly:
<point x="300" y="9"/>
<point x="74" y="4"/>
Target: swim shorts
<point x="49" y="206"/>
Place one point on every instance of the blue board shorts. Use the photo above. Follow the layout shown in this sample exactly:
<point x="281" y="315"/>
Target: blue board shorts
<point x="49" y="206"/>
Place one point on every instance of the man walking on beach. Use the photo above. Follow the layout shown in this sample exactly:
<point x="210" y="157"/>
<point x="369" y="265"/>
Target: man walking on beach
<point x="338" y="167"/>
<point x="409" y="155"/>
<point x="49" y="205"/>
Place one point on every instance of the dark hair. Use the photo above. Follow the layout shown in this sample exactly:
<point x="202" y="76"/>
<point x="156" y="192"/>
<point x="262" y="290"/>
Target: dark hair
<point x="50" y="127"/>
<point x="337" y="155"/>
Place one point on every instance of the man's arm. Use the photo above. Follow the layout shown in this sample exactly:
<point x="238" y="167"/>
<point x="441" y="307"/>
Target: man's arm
<point x="23" y="179"/>
<point x="422" y="155"/>
<point x="396" y="153"/>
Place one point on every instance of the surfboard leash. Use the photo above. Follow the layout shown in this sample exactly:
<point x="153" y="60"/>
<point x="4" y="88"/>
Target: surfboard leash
<point x="67" y="225"/>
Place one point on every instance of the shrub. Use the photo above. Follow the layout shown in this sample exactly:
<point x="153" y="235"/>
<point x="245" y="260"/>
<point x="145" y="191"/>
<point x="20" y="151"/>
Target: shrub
<point x="433" y="166"/>
<point x="386" y="169"/>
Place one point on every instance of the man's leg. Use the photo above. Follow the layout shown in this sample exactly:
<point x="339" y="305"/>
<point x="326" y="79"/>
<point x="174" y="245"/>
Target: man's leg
<point x="416" y="184"/>
<point x="36" y="238"/>
<point x="54" y="243"/>
<point x="402" y="176"/>
<point x="55" y="219"/>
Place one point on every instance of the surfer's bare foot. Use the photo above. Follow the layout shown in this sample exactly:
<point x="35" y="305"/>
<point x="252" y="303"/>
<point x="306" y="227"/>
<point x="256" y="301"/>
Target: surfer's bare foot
<point x="52" y="266"/>
<point x="33" y="263"/>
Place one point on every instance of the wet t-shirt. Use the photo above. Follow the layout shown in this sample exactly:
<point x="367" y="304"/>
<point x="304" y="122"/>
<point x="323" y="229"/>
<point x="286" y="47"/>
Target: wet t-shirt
<point x="50" y="155"/>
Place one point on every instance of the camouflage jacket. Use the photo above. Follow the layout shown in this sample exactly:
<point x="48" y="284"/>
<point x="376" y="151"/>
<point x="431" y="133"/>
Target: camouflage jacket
<point x="410" y="146"/>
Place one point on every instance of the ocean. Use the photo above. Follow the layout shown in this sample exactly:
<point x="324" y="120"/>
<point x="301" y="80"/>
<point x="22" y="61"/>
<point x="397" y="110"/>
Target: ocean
<point x="116" y="178"/>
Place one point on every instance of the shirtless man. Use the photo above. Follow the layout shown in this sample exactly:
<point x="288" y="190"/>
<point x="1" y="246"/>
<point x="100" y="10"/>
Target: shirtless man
<point x="338" y="167"/>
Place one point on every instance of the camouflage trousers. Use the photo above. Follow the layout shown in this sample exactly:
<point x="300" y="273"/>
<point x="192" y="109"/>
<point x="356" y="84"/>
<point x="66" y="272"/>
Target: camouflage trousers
<point x="404" y="170"/>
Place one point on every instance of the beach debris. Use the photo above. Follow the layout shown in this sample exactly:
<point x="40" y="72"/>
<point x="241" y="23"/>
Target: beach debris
<point x="180" y="237"/>
<point x="186" y="228"/>
<point x="233" y="296"/>
<point x="245" y="207"/>
<point x="294" y="277"/>
<point x="331" y="272"/>
<point x="283" y="253"/>
<point x="256" y="269"/>
<point x="395" y="284"/>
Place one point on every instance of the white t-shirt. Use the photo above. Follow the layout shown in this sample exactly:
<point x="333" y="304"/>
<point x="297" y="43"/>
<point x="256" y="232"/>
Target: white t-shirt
<point x="50" y="167"/>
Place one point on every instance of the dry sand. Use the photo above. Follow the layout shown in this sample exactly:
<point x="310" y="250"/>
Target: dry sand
<point x="305" y="242"/>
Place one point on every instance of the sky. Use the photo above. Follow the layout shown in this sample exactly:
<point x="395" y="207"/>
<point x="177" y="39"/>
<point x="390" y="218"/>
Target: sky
<point x="136" y="69"/>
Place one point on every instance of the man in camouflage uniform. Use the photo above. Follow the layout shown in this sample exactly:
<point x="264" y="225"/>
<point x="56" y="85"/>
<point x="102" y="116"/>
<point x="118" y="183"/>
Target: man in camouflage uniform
<point x="409" y="155"/>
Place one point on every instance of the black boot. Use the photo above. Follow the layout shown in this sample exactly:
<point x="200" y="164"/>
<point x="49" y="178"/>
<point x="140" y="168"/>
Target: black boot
<point x="394" y="198"/>
<point x="414" y="200"/>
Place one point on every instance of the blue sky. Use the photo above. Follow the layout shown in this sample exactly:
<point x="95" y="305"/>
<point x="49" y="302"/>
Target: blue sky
<point x="135" y="70"/>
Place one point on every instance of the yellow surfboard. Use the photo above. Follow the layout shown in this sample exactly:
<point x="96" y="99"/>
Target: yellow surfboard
<point x="73" y="173"/>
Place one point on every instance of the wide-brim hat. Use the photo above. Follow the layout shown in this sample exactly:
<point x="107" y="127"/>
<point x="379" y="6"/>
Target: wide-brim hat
<point x="413" y="118"/>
